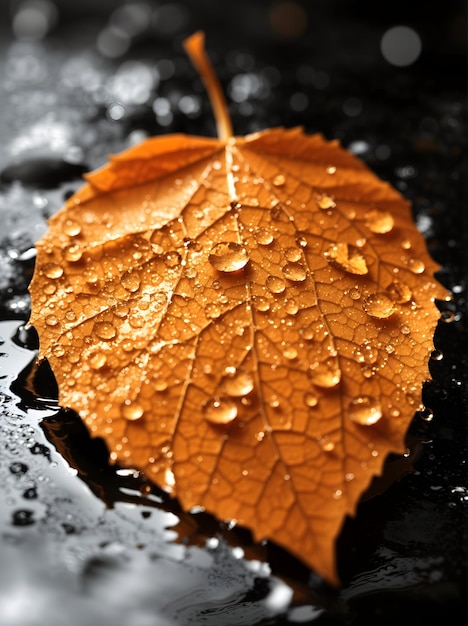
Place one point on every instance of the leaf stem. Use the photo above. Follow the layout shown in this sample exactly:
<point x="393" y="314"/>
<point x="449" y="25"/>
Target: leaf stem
<point x="195" y="48"/>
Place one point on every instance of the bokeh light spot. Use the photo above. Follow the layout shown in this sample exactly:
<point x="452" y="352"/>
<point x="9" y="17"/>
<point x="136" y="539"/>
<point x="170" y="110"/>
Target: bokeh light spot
<point x="401" y="45"/>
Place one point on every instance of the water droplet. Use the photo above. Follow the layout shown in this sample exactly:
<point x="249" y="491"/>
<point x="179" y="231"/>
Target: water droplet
<point x="416" y="266"/>
<point x="238" y="384"/>
<point x="354" y="293"/>
<point x="72" y="253"/>
<point x="131" y="281"/>
<point x="347" y="258"/>
<point x="105" y="331"/>
<point x="49" y="289"/>
<point x="399" y="292"/>
<point x="279" y="180"/>
<point x="52" y="320"/>
<point x="52" y="270"/>
<point x="447" y="317"/>
<point x="324" y="376"/>
<point x="291" y="307"/>
<point x="426" y="414"/>
<point x="366" y="353"/>
<point x="337" y="494"/>
<point x="405" y="330"/>
<point x="58" y="350"/>
<point x="331" y="169"/>
<point x="172" y="259"/>
<point x="310" y="399"/>
<point x="73" y="357"/>
<point x="263" y="236"/>
<point x="349" y="476"/>
<point x="160" y="385"/>
<point x="71" y="228"/>
<point x="212" y="311"/>
<point x="437" y="355"/>
<point x="260" y="304"/>
<point x="97" y="361"/>
<point x="326" y="444"/>
<point x="378" y="305"/>
<point x="293" y="254"/>
<point x="295" y="272"/>
<point x="365" y="410"/>
<point x="307" y="332"/>
<point x="274" y="402"/>
<point x="290" y="353"/>
<point x="220" y="410"/>
<point x="132" y="410"/>
<point x="394" y="411"/>
<point x="379" y="222"/>
<point x="275" y="284"/>
<point x="228" y="256"/>
<point x="301" y="239"/>
<point x="90" y="276"/>
<point x="325" y="202"/>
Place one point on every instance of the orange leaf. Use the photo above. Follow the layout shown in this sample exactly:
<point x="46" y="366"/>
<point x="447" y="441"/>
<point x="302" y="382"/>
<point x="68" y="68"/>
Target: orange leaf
<point x="247" y="319"/>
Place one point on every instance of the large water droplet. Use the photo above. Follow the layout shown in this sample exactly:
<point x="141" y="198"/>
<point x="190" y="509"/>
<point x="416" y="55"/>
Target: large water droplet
<point x="416" y="266"/>
<point x="220" y="410"/>
<point x="52" y="320"/>
<point x="275" y="284"/>
<point x="52" y="270"/>
<point x="263" y="236"/>
<point x="105" y="331"/>
<point x="378" y="305"/>
<point x="131" y="281"/>
<point x="228" y="256"/>
<point x="325" y="376"/>
<point x="293" y="254"/>
<point x="132" y="410"/>
<point x="72" y="253"/>
<point x="295" y="272"/>
<point x="97" y="361"/>
<point x="260" y="304"/>
<point x="365" y="410"/>
<point x="379" y="222"/>
<point x="399" y="292"/>
<point x="347" y="258"/>
<point x="238" y="383"/>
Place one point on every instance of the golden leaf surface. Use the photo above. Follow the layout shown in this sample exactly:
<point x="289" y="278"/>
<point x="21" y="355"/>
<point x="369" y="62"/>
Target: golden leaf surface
<point x="248" y="320"/>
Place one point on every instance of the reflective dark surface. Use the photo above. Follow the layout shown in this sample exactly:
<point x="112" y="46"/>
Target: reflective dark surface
<point x="92" y="543"/>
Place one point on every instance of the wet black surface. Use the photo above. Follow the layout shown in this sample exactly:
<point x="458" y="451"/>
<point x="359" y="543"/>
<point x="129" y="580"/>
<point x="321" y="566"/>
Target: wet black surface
<point x="100" y="541"/>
